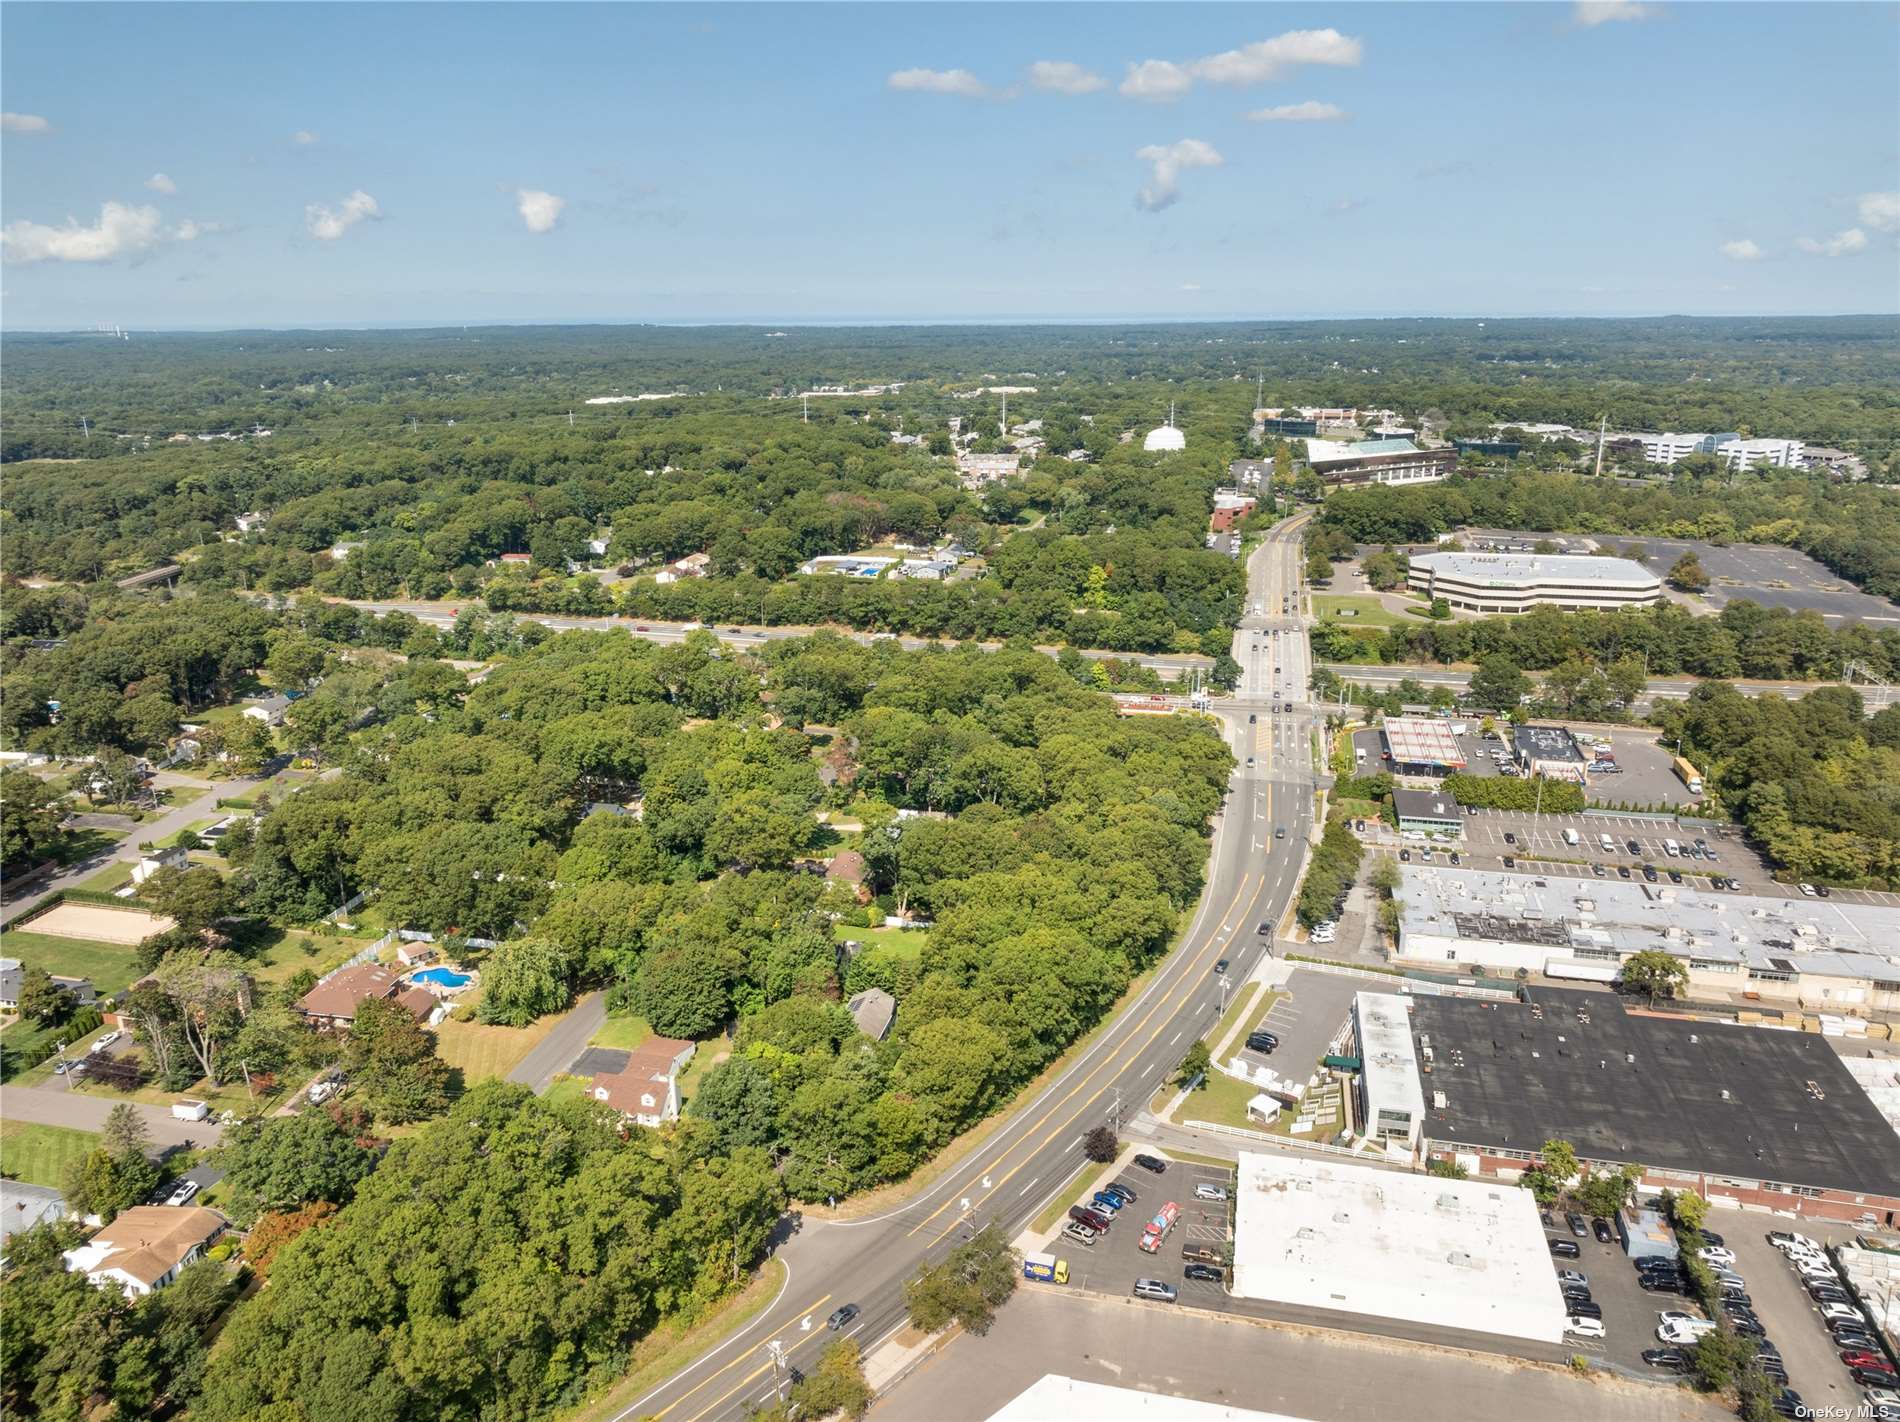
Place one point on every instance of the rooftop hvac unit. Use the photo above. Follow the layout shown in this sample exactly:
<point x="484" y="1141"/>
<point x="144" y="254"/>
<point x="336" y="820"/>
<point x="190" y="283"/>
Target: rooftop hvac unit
<point x="1440" y="1101"/>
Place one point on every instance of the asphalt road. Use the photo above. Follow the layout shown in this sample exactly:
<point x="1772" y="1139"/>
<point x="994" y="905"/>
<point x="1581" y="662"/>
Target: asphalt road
<point x="80" y="1112"/>
<point x="1671" y="688"/>
<point x="557" y="1051"/>
<point x="1021" y="1162"/>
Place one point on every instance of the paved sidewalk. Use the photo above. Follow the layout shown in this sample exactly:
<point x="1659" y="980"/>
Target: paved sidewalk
<point x="79" y="1112"/>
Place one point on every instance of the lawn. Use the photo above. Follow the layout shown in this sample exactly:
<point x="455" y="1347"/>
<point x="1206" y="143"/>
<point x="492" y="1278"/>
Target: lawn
<point x="296" y="950"/>
<point x="1233" y="1014"/>
<point x="109" y="878"/>
<point x="480" y="1051"/>
<point x="622" y="1033"/>
<point x="39" y="1155"/>
<point x="905" y="942"/>
<point x="231" y="1096"/>
<point x="109" y="965"/>
<point x="711" y="1052"/>
<point x="82" y="844"/>
<point x="1222" y="1100"/>
<point x="22" y="1035"/>
<point x="1354" y="609"/>
<point x="195" y="827"/>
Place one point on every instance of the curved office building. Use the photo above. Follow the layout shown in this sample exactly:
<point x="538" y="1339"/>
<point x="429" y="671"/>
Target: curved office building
<point x="1504" y="582"/>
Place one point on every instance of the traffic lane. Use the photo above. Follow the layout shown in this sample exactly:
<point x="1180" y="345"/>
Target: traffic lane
<point x="1228" y="1362"/>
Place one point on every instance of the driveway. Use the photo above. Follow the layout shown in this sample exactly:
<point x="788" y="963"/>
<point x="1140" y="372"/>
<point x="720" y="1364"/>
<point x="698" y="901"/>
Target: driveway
<point x="562" y="1047"/>
<point x="80" y="1112"/>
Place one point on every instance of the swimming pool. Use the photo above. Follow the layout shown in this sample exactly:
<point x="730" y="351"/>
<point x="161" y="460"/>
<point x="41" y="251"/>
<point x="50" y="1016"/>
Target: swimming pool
<point x="442" y="977"/>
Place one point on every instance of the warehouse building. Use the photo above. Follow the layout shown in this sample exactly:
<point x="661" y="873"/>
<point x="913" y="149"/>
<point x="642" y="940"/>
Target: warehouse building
<point x="1740" y="1115"/>
<point x="1379" y="461"/>
<point x="1820" y="956"/>
<point x="1549" y="751"/>
<point x="1326" y="1234"/>
<point x="1503" y="582"/>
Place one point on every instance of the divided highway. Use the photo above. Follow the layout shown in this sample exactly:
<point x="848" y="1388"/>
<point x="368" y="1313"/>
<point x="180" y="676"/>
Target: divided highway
<point x="1020" y="1163"/>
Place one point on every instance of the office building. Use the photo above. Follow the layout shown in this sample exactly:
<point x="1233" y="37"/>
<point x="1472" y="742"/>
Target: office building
<point x="1759" y="453"/>
<point x="1503" y="582"/>
<point x="1550" y="751"/>
<point x="1391" y="1104"/>
<point x="1379" y="461"/>
<point x="1670" y="448"/>
<point x="1428" y="812"/>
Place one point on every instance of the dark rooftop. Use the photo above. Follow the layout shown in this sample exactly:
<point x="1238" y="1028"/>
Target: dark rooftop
<point x="1423" y="804"/>
<point x="1547" y="743"/>
<point x="1651" y="1090"/>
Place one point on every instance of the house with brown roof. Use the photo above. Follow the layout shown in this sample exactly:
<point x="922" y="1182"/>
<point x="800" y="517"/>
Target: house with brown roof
<point x="646" y="1089"/>
<point x="332" y="1004"/>
<point x="146" y="1246"/>
<point x="847" y="867"/>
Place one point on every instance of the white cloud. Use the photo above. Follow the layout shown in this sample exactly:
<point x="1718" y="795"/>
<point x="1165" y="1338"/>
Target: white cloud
<point x="122" y="230"/>
<point x="159" y="183"/>
<point x="1190" y="286"/>
<point x="538" y="209"/>
<point x="1250" y="64"/>
<point x="1312" y="111"/>
<point x="24" y="123"/>
<point x="1880" y="211"/>
<point x="1591" y="13"/>
<point x="1060" y="76"/>
<point x="304" y="137"/>
<point x="1839" y="245"/>
<point x="191" y="231"/>
<point x="960" y="82"/>
<point x="1743" y="249"/>
<point x="327" y="223"/>
<point x="1168" y="160"/>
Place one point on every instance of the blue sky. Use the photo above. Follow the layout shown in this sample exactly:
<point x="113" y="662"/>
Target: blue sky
<point x="358" y="164"/>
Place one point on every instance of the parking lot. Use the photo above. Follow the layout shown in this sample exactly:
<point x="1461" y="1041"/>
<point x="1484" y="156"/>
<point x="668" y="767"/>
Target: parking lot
<point x="1629" y="1312"/>
<point x="1768" y="574"/>
<point x="1116" y="1260"/>
<point x="1643" y="773"/>
<point x="1305" y="1021"/>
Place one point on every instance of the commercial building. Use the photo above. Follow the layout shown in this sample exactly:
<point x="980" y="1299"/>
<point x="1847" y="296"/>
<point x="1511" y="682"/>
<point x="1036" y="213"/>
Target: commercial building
<point x="1755" y="453"/>
<point x="1391" y="1104"/>
<point x="1550" y="751"/>
<point x="1421" y="745"/>
<point x="1670" y="448"/>
<point x="1741" y="1115"/>
<point x="1230" y="507"/>
<point x="1505" y="448"/>
<point x="1504" y="582"/>
<point x="1379" y="461"/>
<point x="1322" y="1233"/>
<point x="1427" y="812"/>
<point x="1805" y="954"/>
<point x="1053" y="1395"/>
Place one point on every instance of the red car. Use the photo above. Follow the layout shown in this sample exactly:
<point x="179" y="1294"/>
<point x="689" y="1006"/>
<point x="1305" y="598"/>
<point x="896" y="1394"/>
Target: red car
<point x="1861" y="1358"/>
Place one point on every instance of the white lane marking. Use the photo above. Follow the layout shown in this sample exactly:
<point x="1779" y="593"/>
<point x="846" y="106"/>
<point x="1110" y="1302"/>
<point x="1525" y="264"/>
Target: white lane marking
<point x="1175" y="1038"/>
<point x="1030" y="1186"/>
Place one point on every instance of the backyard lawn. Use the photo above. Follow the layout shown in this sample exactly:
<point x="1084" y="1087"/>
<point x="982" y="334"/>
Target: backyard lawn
<point x="1354" y="609"/>
<point x="480" y="1051"/>
<point x="623" y="1033"/>
<point x="194" y="827"/>
<point x="39" y="1155"/>
<point x="109" y="965"/>
<point x="297" y="950"/>
<point x="906" y="942"/>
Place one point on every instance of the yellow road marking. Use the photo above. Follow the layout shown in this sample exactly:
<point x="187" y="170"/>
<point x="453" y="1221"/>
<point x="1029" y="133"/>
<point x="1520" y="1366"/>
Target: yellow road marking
<point x="1220" y="929"/>
<point x="1188" y="983"/>
<point x="803" y="1312"/>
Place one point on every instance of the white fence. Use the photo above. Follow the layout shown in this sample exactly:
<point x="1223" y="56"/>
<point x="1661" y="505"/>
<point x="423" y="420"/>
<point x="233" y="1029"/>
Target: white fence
<point x="364" y="955"/>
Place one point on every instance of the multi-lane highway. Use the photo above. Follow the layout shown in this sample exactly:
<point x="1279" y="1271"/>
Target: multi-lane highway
<point x="1665" y="688"/>
<point x="1020" y="1163"/>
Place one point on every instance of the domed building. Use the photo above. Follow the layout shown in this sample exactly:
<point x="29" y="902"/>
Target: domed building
<point x="1166" y="439"/>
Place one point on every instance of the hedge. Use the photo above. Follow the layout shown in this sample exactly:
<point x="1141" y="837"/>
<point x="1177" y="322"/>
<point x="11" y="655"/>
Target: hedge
<point x="1560" y="797"/>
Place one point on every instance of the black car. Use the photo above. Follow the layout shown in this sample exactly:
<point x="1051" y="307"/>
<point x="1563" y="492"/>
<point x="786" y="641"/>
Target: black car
<point x="1599" y="871"/>
<point x="1857" y="1340"/>
<point x="1152" y="1163"/>
<point x="1788" y="1403"/>
<point x="1709" y="1236"/>
<point x="1649" y="873"/>
<point x="1203" y="1271"/>
<point x="1875" y="1377"/>
<point x="1564" y="1248"/>
<point x="1633" y="846"/>
<point x="1601" y="1228"/>
<point x="1750" y="1326"/>
<point x="1671" y="1359"/>
<point x="1509" y="838"/>
<point x="1577" y="1225"/>
<point x="1121" y="1192"/>
<point x="1265" y="930"/>
<point x="1674" y="877"/>
<point x="1583" y="1308"/>
<point x="1737" y="1296"/>
<point x="1509" y="862"/>
<point x="840" y="1317"/>
<point x="1545" y="1216"/>
<point x="1735" y="1308"/>
<point x="1664" y="1284"/>
<point x="1622" y="871"/>
<point x="1843" y="1329"/>
<point x="1405" y="855"/>
<point x="1774" y="1370"/>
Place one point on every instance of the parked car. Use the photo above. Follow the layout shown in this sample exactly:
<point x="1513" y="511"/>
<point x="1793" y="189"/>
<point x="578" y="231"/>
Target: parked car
<point x="1571" y="1276"/>
<point x="1584" y="1326"/>
<point x="1664" y="1284"/>
<point x="1564" y="1248"/>
<point x="183" y="1194"/>
<point x="1863" y="1358"/>
<point x="1782" y="1239"/>
<point x="1079" y="1234"/>
<point x="1672" y="1360"/>
<point x="1088" y="1219"/>
<point x="1207" y="1273"/>
<point x="1840" y="1310"/>
<point x="1875" y="1377"/>
<point x="1152" y="1163"/>
<point x="1716" y="1254"/>
<point x="1788" y="1403"/>
<point x="1577" y="1225"/>
<point x="1127" y="1193"/>
<point x="1622" y="871"/>
<point x="1105" y="1201"/>
<point x="1205" y="1191"/>
<point x="1583" y="1308"/>
<point x="1154" y="1289"/>
<point x="1601" y="1228"/>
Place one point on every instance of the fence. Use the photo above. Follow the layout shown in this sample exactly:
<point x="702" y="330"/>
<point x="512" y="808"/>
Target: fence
<point x="355" y="901"/>
<point x="68" y="896"/>
<point x="364" y="955"/>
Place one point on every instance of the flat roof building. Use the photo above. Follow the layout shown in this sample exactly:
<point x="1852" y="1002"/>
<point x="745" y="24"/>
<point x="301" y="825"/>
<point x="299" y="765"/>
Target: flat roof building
<point x="1427" y="812"/>
<point x="1507" y="582"/>
<point x="1822" y="955"/>
<point x="1739" y="1114"/>
<point x="1391" y="1102"/>
<point x="1053" y="1395"/>
<point x="1754" y="453"/>
<point x="1671" y="448"/>
<point x="1422" y="743"/>
<point x="1549" y="751"/>
<point x="1379" y="461"/>
<point x="1326" y="1234"/>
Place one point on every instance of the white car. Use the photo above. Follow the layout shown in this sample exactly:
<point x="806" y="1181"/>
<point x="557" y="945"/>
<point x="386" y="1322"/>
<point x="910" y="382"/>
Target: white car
<point x="1584" y="1327"/>
<point x="1675" y="1315"/>
<point x="1716" y="1254"/>
<point x="1814" y="1269"/>
<point x="1842" y="1311"/>
<point x="1794" y="1242"/>
<point x="1209" y="1192"/>
<point x="1808" y="890"/>
<point x="183" y="1194"/>
<point x="1571" y="1276"/>
<point x="1685" y="1333"/>
<point x="1882" y="1397"/>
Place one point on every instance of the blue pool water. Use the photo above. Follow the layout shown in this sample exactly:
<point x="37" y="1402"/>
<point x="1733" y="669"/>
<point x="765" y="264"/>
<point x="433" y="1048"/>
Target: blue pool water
<point x="442" y="977"/>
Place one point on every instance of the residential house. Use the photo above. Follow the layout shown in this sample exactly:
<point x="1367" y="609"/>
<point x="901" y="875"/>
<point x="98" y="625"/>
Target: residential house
<point x="153" y="860"/>
<point x="693" y="565"/>
<point x="146" y="1246"/>
<point x="873" y="1010"/>
<point x="340" y="551"/>
<point x="597" y="547"/>
<point x="246" y="522"/>
<point x="332" y="1004"/>
<point x="13" y="975"/>
<point x="847" y="867"/>
<point x="271" y="709"/>
<point x="22" y="1206"/>
<point x="646" y="1089"/>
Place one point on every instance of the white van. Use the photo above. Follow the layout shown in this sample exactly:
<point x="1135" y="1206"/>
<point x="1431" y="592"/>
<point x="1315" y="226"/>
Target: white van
<point x="1572" y="838"/>
<point x="1671" y="848"/>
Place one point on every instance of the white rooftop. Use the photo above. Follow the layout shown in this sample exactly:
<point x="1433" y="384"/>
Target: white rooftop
<point x="1054" y="1396"/>
<point x="1824" y="937"/>
<point x="1464" y="1254"/>
<point x="1510" y="569"/>
<point x="1386" y="1053"/>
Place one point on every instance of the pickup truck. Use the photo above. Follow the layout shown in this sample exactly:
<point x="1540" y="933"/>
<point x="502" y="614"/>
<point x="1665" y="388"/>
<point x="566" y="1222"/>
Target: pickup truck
<point x="1046" y="1267"/>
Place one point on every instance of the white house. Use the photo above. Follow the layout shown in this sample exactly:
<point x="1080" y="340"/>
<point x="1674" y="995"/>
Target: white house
<point x="146" y="1247"/>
